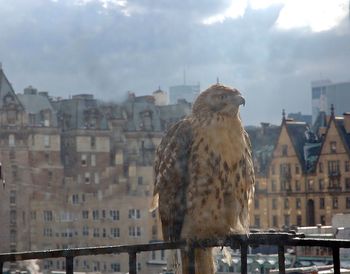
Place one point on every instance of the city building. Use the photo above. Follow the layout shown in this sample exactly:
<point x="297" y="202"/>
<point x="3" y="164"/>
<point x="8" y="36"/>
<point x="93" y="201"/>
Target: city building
<point x="307" y="179"/>
<point x="324" y="93"/>
<point x="79" y="172"/>
<point x="186" y="92"/>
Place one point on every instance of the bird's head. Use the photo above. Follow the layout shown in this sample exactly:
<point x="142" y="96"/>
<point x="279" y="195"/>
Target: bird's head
<point x="218" y="99"/>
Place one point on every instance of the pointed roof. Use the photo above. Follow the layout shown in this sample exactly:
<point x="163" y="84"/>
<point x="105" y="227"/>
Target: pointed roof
<point x="6" y="91"/>
<point x="339" y="124"/>
<point x="296" y="132"/>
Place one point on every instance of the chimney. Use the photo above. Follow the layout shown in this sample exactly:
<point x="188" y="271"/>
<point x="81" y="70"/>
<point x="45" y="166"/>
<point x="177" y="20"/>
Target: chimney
<point x="347" y="122"/>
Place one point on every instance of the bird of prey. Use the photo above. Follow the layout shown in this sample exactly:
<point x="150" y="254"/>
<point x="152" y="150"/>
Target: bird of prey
<point x="204" y="176"/>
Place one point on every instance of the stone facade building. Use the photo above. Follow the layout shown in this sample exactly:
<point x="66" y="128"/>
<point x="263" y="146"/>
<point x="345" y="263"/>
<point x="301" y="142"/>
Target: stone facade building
<point x="307" y="176"/>
<point x="79" y="172"/>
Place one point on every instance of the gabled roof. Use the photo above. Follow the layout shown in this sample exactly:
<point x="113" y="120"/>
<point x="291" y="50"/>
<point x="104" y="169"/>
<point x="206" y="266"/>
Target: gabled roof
<point x="6" y="90"/>
<point x="296" y="132"/>
<point x="339" y="123"/>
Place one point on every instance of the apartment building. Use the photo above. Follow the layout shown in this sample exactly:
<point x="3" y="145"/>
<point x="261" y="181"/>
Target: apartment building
<point x="307" y="178"/>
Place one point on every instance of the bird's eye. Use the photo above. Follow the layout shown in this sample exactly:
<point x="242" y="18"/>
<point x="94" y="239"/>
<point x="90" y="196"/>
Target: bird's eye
<point x="223" y="97"/>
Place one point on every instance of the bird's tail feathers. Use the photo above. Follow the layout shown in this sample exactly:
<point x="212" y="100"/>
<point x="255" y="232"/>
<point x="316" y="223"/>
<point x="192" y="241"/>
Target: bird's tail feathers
<point x="154" y="203"/>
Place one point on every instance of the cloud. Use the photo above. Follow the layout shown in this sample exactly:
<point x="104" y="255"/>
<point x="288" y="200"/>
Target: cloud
<point x="109" y="47"/>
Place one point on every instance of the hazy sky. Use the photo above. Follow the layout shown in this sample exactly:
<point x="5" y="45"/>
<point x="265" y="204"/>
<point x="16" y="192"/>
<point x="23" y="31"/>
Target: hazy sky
<point x="269" y="49"/>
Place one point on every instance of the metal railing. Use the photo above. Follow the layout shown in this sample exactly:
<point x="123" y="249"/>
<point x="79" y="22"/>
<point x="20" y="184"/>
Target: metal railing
<point x="279" y="239"/>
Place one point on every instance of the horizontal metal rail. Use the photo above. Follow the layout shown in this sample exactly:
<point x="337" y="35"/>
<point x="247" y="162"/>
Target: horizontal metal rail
<point x="279" y="239"/>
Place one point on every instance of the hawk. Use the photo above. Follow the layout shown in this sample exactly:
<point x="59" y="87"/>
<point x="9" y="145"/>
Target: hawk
<point x="204" y="176"/>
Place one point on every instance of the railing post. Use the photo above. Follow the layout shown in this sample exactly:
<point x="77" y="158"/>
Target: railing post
<point x="336" y="260"/>
<point x="191" y="260"/>
<point x="281" y="260"/>
<point x="1" y="267"/>
<point x="69" y="265"/>
<point x="244" y="257"/>
<point x="132" y="263"/>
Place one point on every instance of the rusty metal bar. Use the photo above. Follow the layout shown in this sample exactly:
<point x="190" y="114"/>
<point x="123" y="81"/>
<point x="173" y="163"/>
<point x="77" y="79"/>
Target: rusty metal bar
<point x="132" y="263"/>
<point x="244" y="258"/>
<point x="191" y="260"/>
<point x="69" y="265"/>
<point x="281" y="260"/>
<point x="336" y="260"/>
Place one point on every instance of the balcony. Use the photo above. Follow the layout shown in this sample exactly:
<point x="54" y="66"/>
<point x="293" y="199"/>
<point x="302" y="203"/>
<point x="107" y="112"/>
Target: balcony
<point x="280" y="239"/>
<point x="334" y="188"/>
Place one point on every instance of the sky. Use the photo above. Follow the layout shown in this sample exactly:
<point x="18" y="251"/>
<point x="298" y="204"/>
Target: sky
<point x="270" y="50"/>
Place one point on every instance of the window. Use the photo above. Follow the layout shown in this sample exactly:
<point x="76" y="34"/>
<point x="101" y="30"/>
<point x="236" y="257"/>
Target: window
<point x="310" y="185"/>
<point x="299" y="220"/>
<point x="274" y="203"/>
<point x="347" y="202"/>
<point x="140" y="180"/>
<point x="93" y="141"/>
<point x="12" y="197"/>
<point x="134" y="214"/>
<point x="322" y="203"/>
<point x="297" y="185"/>
<point x="13" y="216"/>
<point x="115" y="267"/>
<point x="97" y="178"/>
<point x="333" y="167"/>
<point x="114" y="214"/>
<point x="298" y="203"/>
<point x="273" y="185"/>
<point x="286" y="203"/>
<point x="93" y="160"/>
<point x="85" y="214"/>
<point x="95" y="215"/>
<point x="48" y="216"/>
<point x="273" y="171"/>
<point x="284" y="150"/>
<point x="321" y="184"/>
<point x="115" y="232"/>
<point x="256" y="203"/>
<point x="347" y="183"/>
<point x="104" y="233"/>
<point x="96" y="233"/>
<point x="335" y="202"/>
<point x="323" y="220"/>
<point x="297" y="169"/>
<point x="333" y="147"/>
<point x="83" y="159"/>
<point x="287" y="220"/>
<point x="87" y="177"/>
<point x="49" y="176"/>
<point x="257" y="221"/>
<point x="274" y="221"/>
<point x="347" y="166"/>
<point x="75" y="199"/>
<point x="320" y="167"/>
<point x="134" y="231"/>
<point x="12" y="141"/>
<point x="47" y="141"/>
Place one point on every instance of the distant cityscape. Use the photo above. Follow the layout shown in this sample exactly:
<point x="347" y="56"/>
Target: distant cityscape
<point x="79" y="172"/>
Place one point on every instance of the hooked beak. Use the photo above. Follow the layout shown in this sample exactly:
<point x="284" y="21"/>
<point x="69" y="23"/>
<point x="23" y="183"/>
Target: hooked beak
<point x="240" y="100"/>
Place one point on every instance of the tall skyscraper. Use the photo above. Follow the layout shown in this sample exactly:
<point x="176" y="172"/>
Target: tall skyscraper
<point x="187" y="92"/>
<point x="324" y="93"/>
